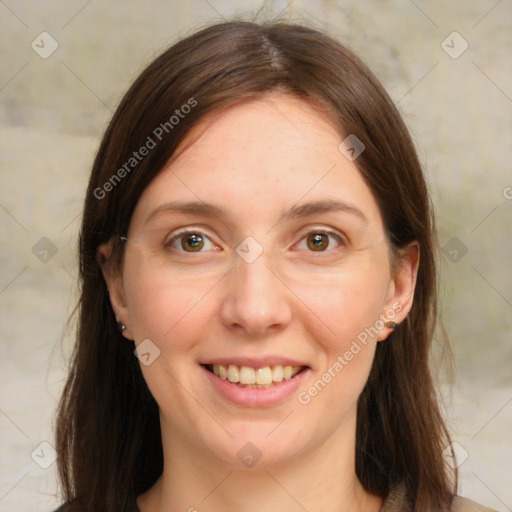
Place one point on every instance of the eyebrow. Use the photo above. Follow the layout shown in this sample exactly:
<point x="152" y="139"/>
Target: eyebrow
<point x="295" y="212"/>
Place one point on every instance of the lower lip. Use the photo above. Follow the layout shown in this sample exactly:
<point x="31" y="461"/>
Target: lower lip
<point x="254" y="397"/>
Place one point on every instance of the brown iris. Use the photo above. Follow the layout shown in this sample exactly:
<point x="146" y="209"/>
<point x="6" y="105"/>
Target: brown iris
<point x="318" y="241"/>
<point x="192" y="242"/>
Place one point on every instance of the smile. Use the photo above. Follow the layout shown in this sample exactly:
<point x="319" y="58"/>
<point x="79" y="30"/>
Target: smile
<point x="256" y="378"/>
<point x="256" y="383"/>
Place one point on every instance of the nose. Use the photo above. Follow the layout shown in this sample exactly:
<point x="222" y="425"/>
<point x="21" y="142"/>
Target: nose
<point x="257" y="301"/>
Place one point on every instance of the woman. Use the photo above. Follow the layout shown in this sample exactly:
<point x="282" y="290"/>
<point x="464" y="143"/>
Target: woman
<point x="258" y="233"/>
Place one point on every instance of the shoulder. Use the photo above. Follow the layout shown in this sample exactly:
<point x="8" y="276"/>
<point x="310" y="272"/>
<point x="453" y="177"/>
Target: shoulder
<point x="397" y="501"/>
<point x="461" y="504"/>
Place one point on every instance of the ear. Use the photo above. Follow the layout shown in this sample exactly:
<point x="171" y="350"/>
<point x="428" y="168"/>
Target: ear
<point x="401" y="290"/>
<point x="114" y="281"/>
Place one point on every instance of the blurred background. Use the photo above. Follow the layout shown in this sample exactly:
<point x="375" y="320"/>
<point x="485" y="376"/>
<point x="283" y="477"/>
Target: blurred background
<point x="65" y="65"/>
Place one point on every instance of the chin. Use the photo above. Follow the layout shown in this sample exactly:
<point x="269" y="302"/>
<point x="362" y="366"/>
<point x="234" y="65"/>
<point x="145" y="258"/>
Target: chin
<point x="257" y="447"/>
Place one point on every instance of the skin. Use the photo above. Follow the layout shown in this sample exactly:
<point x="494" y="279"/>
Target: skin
<point x="256" y="160"/>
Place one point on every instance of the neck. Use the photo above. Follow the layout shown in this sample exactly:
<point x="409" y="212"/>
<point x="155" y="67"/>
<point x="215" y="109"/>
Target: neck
<point x="322" y="479"/>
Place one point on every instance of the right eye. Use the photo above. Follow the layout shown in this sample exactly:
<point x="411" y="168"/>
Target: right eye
<point x="190" y="241"/>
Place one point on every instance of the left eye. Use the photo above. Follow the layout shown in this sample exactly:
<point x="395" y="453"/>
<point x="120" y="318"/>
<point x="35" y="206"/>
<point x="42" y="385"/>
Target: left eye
<point x="190" y="241"/>
<point x="320" y="241"/>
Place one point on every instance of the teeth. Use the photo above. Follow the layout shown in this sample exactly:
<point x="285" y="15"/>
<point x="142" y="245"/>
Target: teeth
<point x="223" y="373"/>
<point x="277" y="373"/>
<point x="233" y="373"/>
<point x="247" y="375"/>
<point x="263" y="377"/>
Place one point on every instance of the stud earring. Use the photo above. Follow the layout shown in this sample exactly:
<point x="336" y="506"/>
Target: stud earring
<point x="391" y="324"/>
<point x="121" y="326"/>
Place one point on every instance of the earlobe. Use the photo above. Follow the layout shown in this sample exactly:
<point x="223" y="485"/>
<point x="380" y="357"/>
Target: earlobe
<point x="114" y="282"/>
<point x="402" y="289"/>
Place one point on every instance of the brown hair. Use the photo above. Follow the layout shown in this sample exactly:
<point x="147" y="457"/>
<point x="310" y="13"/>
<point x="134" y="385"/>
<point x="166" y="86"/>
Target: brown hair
<point x="108" y="431"/>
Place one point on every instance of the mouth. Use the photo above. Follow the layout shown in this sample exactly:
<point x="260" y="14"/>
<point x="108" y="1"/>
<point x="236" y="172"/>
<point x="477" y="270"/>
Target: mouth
<point x="263" y="377"/>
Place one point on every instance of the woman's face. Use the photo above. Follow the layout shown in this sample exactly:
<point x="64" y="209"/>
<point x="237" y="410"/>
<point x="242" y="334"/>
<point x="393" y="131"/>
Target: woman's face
<point x="283" y="268"/>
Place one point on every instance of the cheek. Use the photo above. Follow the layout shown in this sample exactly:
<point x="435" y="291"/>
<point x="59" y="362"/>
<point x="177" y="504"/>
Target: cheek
<point x="346" y="312"/>
<point x="349" y="308"/>
<point x="348" y="346"/>
<point x="163" y="305"/>
<point x="346" y="305"/>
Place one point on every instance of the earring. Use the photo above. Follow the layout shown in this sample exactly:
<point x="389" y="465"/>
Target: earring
<point x="391" y="324"/>
<point x="121" y="326"/>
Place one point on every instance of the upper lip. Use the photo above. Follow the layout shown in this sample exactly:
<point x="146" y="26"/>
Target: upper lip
<point x="255" y="362"/>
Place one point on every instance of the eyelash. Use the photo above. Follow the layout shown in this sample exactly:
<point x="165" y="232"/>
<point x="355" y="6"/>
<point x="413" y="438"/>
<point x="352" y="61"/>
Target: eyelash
<point x="339" y="238"/>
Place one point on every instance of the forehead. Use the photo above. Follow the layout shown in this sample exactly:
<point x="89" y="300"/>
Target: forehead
<point x="266" y="128"/>
<point x="260" y="158"/>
